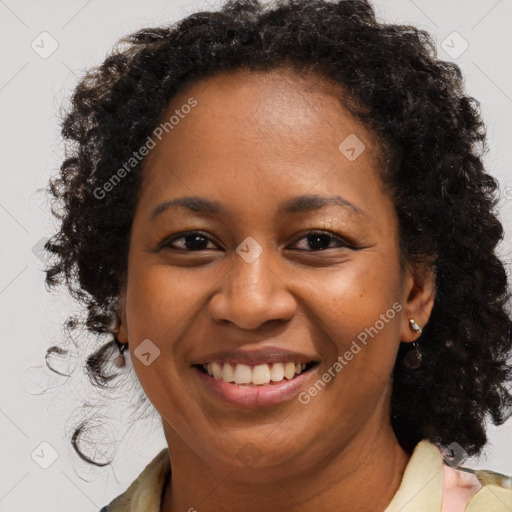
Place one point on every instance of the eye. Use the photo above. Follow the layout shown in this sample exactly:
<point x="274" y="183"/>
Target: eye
<point x="198" y="241"/>
<point x="321" y="240"/>
<point x="192" y="241"/>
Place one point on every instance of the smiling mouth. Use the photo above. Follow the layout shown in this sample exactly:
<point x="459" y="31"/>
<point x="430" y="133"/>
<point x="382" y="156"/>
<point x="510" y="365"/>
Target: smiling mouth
<point x="255" y="375"/>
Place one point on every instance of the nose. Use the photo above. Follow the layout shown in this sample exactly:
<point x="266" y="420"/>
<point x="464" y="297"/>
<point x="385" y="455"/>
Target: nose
<point x="252" y="294"/>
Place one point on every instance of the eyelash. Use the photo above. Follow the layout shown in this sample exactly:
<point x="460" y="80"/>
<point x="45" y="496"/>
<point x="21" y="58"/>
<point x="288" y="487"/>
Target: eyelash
<point x="167" y="243"/>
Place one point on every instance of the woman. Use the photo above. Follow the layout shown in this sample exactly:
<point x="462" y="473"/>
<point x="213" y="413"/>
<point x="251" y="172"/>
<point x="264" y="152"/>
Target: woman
<point x="282" y="214"/>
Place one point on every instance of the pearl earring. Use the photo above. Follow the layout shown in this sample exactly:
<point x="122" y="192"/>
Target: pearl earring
<point x="413" y="358"/>
<point x="414" y="326"/>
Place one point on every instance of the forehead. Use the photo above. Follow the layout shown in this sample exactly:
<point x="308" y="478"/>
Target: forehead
<point x="277" y="102"/>
<point x="261" y="126"/>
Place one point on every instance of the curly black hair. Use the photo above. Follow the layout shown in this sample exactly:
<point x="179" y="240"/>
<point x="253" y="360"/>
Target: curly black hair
<point x="431" y="133"/>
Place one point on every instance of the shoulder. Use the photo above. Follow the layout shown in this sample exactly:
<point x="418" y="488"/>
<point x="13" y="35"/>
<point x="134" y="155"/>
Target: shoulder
<point x="487" y="477"/>
<point x="495" y="493"/>
<point x="145" y="492"/>
<point x="476" y="490"/>
<point x="449" y="489"/>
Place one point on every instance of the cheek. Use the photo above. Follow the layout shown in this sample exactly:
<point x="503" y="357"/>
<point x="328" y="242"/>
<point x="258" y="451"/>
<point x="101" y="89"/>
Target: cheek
<point x="159" y="302"/>
<point x="359" y="309"/>
<point x="355" y="296"/>
<point x="160" y="298"/>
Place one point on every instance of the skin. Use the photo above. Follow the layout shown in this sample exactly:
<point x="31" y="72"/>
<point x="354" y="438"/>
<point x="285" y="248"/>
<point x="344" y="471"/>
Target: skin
<point x="255" y="140"/>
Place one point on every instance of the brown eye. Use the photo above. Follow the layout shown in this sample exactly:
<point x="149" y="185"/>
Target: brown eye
<point x="191" y="241"/>
<point x="322" y="240"/>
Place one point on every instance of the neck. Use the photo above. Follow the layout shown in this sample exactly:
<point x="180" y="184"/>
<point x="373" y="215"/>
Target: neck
<point x="363" y="476"/>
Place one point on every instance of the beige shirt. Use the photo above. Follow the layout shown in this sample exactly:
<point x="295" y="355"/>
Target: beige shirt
<point x="429" y="484"/>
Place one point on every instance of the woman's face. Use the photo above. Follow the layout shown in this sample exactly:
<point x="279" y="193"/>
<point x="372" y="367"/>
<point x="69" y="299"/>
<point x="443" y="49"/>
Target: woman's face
<point x="253" y="285"/>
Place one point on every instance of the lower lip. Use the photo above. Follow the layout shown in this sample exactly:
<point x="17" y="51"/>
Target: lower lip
<point x="255" y="396"/>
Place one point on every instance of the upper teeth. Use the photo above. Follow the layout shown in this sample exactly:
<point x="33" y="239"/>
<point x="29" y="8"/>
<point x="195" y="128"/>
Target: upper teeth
<point x="259" y="374"/>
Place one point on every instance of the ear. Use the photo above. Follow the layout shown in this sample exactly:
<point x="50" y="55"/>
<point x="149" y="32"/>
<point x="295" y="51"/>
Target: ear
<point x="122" y="334"/>
<point x="417" y="299"/>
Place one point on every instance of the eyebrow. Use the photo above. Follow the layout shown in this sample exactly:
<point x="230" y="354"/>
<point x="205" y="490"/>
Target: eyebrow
<point x="298" y="204"/>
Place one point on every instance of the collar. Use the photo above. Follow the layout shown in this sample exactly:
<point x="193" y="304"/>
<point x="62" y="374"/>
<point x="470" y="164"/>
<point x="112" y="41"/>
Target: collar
<point x="421" y="488"/>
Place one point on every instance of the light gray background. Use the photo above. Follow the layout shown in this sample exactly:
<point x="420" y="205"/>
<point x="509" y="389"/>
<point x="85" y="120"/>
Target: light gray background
<point x="32" y="90"/>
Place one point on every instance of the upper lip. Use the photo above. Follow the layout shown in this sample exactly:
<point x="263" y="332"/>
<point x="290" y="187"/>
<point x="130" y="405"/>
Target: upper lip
<point x="259" y="356"/>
